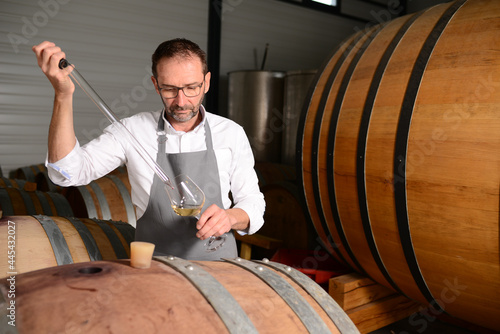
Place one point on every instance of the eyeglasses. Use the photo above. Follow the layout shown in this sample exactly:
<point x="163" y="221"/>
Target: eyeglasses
<point x="172" y="91"/>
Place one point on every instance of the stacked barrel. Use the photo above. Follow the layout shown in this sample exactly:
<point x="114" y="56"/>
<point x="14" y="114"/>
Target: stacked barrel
<point x="38" y="221"/>
<point x="400" y="157"/>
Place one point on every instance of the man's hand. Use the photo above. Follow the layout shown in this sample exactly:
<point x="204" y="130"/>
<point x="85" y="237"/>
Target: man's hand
<point x="48" y="57"/>
<point x="62" y="137"/>
<point x="216" y="221"/>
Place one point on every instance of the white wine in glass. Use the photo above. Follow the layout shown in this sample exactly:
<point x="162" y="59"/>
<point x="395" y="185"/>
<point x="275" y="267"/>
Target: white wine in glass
<point x="187" y="210"/>
<point x="187" y="199"/>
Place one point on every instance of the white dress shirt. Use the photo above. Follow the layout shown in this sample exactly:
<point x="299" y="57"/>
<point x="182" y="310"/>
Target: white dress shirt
<point x="110" y="150"/>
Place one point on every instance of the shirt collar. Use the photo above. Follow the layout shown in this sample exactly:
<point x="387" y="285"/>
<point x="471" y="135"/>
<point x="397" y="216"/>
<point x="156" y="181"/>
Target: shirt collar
<point x="170" y="130"/>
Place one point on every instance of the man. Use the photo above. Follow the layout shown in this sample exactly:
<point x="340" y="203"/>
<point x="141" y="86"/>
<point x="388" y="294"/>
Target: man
<point x="183" y="137"/>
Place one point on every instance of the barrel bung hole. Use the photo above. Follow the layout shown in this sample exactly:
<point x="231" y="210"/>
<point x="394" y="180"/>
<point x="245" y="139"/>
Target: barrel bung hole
<point x="90" y="270"/>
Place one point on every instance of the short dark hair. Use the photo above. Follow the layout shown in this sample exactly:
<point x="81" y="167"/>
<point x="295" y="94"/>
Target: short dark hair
<point x="178" y="47"/>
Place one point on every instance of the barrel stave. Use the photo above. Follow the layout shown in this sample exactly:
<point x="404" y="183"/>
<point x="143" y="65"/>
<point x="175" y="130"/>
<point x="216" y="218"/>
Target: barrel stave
<point x="272" y="307"/>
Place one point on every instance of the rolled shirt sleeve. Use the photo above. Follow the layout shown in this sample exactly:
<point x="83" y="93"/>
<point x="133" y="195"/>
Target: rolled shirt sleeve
<point x="89" y="162"/>
<point x="60" y="172"/>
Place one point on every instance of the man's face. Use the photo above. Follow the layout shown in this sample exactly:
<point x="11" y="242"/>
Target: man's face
<point x="181" y="72"/>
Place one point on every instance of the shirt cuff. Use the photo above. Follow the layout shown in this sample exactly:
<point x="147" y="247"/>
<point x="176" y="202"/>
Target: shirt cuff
<point x="59" y="171"/>
<point x="256" y="218"/>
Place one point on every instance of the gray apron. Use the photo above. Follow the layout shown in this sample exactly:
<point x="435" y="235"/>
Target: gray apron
<point x="173" y="234"/>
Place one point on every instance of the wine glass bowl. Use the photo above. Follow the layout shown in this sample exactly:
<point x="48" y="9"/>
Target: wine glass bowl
<point x="187" y="199"/>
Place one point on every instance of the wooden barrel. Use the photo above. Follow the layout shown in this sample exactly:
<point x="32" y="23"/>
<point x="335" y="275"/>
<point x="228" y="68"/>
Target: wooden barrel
<point x="106" y="198"/>
<point x="44" y="183"/>
<point x="43" y="241"/>
<point x="15" y="201"/>
<point x="400" y="157"/>
<point x="28" y="173"/>
<point x="17" y="183"/>
<point x="174" y="296"/>
<point x="120" y="170"/>
<point x="285" y="219"/>
<point x="36" y="174"/>
<point x="271" y="172"/>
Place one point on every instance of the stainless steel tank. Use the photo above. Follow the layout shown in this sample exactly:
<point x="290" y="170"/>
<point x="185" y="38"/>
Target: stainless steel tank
<point x="255" y="101"/>
<point x="297" y="85"/>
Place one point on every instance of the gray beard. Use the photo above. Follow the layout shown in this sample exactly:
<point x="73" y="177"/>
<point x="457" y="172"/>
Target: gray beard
<point x="193" y="114"/>
<point x="178" y="119"/>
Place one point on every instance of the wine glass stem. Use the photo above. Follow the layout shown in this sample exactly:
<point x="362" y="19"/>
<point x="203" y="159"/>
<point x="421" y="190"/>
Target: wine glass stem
<point x="212" y="239"/>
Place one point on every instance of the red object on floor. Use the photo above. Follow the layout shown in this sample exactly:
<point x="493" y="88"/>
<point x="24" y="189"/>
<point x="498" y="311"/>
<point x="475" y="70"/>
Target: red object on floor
<point x="317" y="265"/>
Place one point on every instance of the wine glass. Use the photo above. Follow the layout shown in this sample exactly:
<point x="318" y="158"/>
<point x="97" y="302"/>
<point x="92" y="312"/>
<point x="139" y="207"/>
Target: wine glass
<point x="187" y="199"/>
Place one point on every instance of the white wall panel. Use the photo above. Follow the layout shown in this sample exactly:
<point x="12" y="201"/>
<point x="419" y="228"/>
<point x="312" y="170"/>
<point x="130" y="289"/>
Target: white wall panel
<point x="110" y="42"/>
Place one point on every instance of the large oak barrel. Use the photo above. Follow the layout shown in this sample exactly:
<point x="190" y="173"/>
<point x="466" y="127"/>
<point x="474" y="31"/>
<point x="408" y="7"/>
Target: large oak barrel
<point x="400" y="157"/>
<point x="14" y="201"/>
<point x="36" y="242"/>
<point x="106" y="198"/>
<point x="173" y="296"/>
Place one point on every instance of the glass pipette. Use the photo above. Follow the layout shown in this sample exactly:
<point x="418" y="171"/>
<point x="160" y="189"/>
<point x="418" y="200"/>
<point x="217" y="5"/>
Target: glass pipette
<point x="91" y="93"/>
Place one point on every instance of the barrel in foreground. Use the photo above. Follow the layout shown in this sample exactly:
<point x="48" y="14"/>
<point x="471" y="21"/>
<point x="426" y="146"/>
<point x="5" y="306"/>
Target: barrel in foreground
<point x="235" y="296"/>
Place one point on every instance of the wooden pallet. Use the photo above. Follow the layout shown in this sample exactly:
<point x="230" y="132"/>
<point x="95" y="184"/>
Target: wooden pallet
<point x="257" y="240"/>
<point x="368" y="304"/>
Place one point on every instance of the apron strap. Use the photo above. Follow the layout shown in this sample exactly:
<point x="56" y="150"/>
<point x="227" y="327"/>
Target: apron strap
<point x="160" y="132"/>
